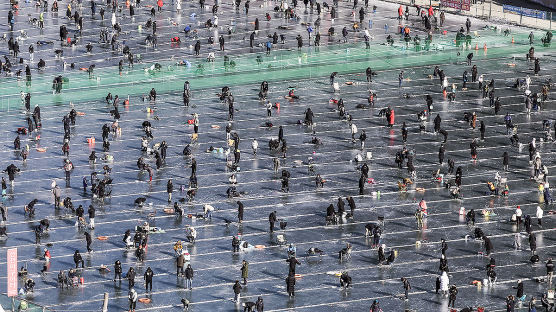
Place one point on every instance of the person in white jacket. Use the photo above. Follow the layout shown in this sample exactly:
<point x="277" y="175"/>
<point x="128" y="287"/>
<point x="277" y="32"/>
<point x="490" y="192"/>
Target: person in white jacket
<point x="444" y="282"/>
<point x="178" y="5"/>
<point x="518" y="214"/>
<point x="128" y="241"/>
<point x="208" y="209"/>
<point x="353" y="132"/>
<point x="191" y="234"/>
<point x="254" y="146"/>
<point x="132" y="300"/>
<point x="232" y="179"/>
<point x="539" y="215"/>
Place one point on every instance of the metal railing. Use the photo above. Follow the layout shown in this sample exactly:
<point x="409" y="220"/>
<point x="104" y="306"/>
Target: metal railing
<point x="490" y="10"/>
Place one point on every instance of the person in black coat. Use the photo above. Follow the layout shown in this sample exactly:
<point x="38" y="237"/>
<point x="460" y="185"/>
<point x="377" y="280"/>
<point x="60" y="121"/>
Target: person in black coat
<point x="365" y="170"/>
<point x="11" y="170"/>
<point x="189" y="277"/>
<point x="443" y="267"/>
<point x="131" y="277"/>
<point x="519" y="288"/>
<point x="259" y="305"/>
<point x="351" y="204"/>
<point x="292" y="263"/>
<point x="280" y="134"/>
<point x="345" y="280"/>
<point x="237" y="291"/>
<point x="78" y="259"/>
<point x="510" y="303"/>
<point x="118" y="270"/>
<point x="532" y="243"/>
<point x="488" y="245"/>
<point x="341" y="206"/>
<point x="381" y="255"/>
<point x="148" y="276"/>
<point x="271" y="220"/>
<point x="239" y="211"/>
<point x="89" y="241"/>
<point x="470" y="217"/>
<point x="91" y="212"/>
<point x="391" y="257"/>
<point x="290" y="285"/>
<point x="441" y="153"/>
<point x="452" y="297"/>
<point x="443" y="247"/>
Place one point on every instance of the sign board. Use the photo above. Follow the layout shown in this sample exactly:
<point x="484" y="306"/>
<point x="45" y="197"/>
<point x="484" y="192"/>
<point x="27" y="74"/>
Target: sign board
<point x="524" y="11"/>
<point x="466" y="5"/>
<point x="457" y="4"/>
<point x="12" y="272"/>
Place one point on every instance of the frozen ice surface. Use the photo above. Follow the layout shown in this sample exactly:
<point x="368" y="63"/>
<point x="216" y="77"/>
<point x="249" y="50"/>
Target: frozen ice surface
<point x="304" y="207"/>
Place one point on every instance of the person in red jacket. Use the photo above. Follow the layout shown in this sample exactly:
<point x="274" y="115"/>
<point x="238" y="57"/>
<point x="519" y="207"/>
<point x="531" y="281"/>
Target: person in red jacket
<point x="159" y="3"/>
<point x="431" y="11"/>
<point x="391" y="118"/>
<point x="400" y="13"/>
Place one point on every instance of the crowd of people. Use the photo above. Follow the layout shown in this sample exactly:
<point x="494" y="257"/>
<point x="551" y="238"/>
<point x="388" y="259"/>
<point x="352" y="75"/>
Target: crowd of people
<point x="97" y="188"/>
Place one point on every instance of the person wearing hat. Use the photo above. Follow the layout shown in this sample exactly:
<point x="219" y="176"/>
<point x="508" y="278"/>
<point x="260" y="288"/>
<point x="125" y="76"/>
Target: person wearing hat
<point x="132" y="296"/>
<point x="237" y="291"/>
<point x="68" y="167"/>
<point x="259" y="305"/>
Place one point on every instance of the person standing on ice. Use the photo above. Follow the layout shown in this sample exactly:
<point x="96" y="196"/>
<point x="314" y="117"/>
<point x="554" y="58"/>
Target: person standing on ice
<point x="148" y="277"/>
<point x="132" y="296"/>
<point x="239" y="211"/>
<point x="89" y="241"/>
<point x="237" y="292"/>
<point x="244" y="271"/>
<point x="406" y="287"/>
<point x="254" y="146"/>
<point x="423" y="207"/>
<point x="290" y="285"/>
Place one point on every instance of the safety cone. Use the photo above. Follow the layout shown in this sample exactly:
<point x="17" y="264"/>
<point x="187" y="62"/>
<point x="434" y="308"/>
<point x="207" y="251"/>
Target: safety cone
<point x="476" y="46"/>
<point x="485" y="47"/>
<point x="513" y="39"/>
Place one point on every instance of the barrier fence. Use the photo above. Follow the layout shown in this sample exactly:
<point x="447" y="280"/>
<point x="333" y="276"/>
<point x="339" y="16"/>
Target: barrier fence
<point x="490" y="10"/>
